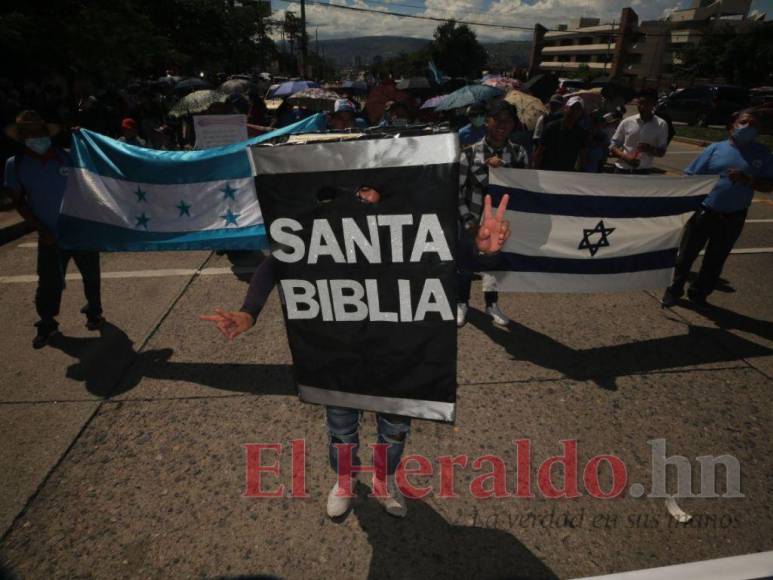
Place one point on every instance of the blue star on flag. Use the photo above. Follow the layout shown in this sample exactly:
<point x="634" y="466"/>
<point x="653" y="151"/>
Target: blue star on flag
<point x="229" y="191"/>
<point x="142" y="221"/>
<point x="185" y="208"/>
<point x="141" y="195"/>
<point x="230" y="217"/>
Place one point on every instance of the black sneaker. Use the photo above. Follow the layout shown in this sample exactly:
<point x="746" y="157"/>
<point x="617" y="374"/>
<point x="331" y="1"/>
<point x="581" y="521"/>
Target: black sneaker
<point x="42" y="337"/>
<point x="95" y="322"/>
<point x="698" y="300"/>
<point x="670" y="298"/>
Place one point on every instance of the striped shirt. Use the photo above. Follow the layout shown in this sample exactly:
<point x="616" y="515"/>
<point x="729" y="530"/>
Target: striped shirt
<point x="473" y="174"/>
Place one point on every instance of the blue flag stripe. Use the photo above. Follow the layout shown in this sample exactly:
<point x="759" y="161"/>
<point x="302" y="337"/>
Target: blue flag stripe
<point x="594" y="206"/>
<point x="81" y="235"/>
<point x="634" y="263"/>
<point x="112" y="158"/>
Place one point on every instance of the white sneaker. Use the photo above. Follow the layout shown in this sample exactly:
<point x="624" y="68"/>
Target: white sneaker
<point x="394" y="503"/>
<point x="337" y="502"/>
<point x="461" y="314"/>
<point x="497" y="315"/>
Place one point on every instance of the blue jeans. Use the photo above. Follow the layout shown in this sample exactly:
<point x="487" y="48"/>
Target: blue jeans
<point x="343" y="427"/>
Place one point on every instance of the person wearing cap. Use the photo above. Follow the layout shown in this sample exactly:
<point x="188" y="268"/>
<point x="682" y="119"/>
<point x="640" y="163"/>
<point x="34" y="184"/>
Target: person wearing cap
<point x="639" y="139"/>
<point x="494" y="150"/>
<point x="475" y="130"/>
<point x="555" y="110"/>
<point x="342" y="117"/>
<point x="563" y="140"/>
<point x="129" y="133"/>
<point x="37" y="178"/>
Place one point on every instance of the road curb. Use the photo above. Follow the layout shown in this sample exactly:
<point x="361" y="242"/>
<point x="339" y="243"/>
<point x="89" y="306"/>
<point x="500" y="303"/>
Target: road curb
<point x="688" y="140"/>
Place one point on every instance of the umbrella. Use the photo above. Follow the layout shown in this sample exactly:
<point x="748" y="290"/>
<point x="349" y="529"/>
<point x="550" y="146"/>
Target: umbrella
<point x="433" y="102"/>
<point x="355" y="86"/>
<point x="502" y="83"/>
<point x="529" y="108"/>
<point x="197" y="102"/>
<point x="290" y="88"/>
<point x="314" y="99"/>
<point x="591" y="99"/>
<point x="541" y="86"/>
<point x="241" y="86"/>
<point x="191" y="84"/>
<point x="414" y="84"/>
<point x="380" y="96"/>
<point x="467" y="96"/>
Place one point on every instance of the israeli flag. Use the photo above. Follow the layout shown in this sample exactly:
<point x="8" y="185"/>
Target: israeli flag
<point x="125" y="198"/>
<point x="584" y="232"/>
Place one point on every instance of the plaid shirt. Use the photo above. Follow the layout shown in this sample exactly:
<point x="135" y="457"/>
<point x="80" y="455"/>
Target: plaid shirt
<point x="473" y="174"/>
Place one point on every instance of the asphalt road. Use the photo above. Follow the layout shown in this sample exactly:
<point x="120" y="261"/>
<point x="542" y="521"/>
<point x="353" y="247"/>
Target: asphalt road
<point x="122" y="451"/>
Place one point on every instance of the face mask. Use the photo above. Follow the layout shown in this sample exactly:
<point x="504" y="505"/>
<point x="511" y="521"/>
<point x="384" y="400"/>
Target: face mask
<point x="744" y="134"/>
<point x="477" y="121"/>
<point x="38" y="144"/>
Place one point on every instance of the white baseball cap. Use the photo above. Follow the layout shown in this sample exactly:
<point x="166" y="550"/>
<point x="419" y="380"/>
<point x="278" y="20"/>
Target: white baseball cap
<point x="574" y="101"/>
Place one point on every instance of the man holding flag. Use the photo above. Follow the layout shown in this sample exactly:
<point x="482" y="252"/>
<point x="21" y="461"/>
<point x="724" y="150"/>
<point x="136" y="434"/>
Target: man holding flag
<point x="37" y="179"/>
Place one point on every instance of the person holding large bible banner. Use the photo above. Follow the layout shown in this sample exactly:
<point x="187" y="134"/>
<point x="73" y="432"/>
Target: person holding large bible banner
<point x="363" y="237"/>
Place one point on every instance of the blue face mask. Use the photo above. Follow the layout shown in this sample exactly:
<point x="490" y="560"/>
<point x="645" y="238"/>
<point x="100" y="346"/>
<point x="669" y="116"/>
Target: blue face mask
<point x="38" y="144"/>
<point x="477" y="121"/>
<point x="744" y="134"/>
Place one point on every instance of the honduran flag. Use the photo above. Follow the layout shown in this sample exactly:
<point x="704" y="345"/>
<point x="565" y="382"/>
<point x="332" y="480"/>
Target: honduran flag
<point x="584" y="232"/>
<point x="125" y="198"/>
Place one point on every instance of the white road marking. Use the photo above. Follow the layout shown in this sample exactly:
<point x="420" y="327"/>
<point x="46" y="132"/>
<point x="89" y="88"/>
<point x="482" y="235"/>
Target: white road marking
<point x="235" y="270"/>
<point x="757" y="565"/>
<point x="759" y="221"/>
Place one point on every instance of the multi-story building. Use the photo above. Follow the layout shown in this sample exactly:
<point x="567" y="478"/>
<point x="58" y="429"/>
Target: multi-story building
<point x="639" y="52"/>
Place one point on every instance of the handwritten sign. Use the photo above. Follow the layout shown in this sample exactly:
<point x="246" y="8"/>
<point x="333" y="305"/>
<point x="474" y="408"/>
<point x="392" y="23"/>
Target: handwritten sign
<point x="218" y="130"/>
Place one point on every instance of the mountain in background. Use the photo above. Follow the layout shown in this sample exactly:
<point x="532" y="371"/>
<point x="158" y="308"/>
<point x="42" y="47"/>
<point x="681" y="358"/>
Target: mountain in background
<point x="368" y="50"/>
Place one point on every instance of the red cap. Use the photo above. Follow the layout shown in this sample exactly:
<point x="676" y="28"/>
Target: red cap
<point x="128" y="123"/>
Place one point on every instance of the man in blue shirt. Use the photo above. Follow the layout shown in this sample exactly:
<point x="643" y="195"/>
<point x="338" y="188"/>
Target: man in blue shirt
<point x="744" y="167"/>
<point x="36" y="179"/>
<point x="475" y="130"/>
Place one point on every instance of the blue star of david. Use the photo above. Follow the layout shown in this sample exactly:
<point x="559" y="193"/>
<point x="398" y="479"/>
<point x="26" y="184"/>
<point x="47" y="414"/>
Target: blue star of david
<point x="141" y="195"/>
<point x="142" y="221"/>
<point x="230" y="218"/>
<point x="228" y="191"/>
<point x="602" y="242"/>
<point x="185" y="208"/>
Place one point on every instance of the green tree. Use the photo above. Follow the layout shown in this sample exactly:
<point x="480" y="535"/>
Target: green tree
<point x="456" y="50"/>
<point x="743" y="57"/>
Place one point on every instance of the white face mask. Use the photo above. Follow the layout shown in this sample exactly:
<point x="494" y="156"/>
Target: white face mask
<point x="38" y="144"/>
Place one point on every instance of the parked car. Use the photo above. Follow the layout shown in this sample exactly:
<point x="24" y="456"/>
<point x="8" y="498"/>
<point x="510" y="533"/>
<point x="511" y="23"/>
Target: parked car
<point x="705" y="104"/>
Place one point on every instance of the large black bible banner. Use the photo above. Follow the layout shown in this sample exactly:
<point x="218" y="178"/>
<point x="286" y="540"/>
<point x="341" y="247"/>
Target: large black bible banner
<point x="364" y="234"/>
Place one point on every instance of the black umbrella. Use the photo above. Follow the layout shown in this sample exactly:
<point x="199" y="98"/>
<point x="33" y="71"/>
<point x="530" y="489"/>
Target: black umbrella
<point x="191" y="84"/>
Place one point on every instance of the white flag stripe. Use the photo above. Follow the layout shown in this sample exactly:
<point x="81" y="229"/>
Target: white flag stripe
<point x="116" y="202"/>
<point x="612" y="185"/>
<point x="363" y="154"/>
<point x="559" y="236"/>
<point x="576" y="283"/>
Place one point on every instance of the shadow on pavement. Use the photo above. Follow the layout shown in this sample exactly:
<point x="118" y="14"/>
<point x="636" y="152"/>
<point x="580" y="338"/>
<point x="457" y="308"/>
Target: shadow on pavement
<point x="103" y="362"/>
<point x="243" y="263"/>
<point x="603" y="365"/>
<point x="424" y="545"/>
<point x="729" y="320"/>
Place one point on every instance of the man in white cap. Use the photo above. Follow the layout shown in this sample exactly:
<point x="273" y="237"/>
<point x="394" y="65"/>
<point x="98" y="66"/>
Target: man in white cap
<point x="36" y="179"/>
<point x="639" y="139"/>
<point x="563" y="140"/>
<point x="342" y="117"/>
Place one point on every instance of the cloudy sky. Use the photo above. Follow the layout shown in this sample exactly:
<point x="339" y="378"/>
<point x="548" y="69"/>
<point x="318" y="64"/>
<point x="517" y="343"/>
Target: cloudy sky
<point x="338" y="23"/>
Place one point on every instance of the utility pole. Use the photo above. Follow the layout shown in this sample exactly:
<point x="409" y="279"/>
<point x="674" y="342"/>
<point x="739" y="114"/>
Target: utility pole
<point x="304" y="51"/>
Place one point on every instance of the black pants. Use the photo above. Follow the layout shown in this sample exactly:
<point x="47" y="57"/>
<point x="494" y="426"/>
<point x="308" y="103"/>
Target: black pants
<point x="463" y="285"/>
<point x="720" y="231"/>
<point x="52" y="267"/>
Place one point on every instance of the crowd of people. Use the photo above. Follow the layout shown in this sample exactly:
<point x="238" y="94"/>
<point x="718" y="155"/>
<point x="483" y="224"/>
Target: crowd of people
<point x="568" y="137"/>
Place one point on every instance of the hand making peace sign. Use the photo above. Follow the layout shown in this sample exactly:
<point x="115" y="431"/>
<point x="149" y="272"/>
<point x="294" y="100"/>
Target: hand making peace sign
<point x="494" y="229"/>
